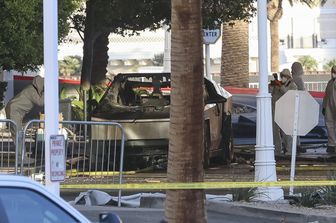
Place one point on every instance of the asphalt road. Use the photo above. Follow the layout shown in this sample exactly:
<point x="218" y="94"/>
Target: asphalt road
<point x="145" y="215"/>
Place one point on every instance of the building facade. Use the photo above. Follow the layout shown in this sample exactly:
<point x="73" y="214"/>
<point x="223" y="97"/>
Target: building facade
<point x="303" y="31"/>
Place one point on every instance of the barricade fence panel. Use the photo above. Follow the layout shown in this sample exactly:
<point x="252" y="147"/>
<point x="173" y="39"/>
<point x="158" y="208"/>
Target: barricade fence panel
<point x="90" y="158"/>
<point x="310" y="86"/>
<point x="8" y="148"/>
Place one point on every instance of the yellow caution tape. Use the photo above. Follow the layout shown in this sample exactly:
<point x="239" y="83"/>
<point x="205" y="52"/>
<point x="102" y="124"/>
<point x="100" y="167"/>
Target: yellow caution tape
<point x="199" y="185"/>
<point x="75" y="173"/>
<point x="307" y="168"/>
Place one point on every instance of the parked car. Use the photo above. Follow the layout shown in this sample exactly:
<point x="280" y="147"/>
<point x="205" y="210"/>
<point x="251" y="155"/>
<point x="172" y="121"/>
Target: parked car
<point x="244" y="106"/>
<point x="141" y="103"/>
<point x="23" y="200"/>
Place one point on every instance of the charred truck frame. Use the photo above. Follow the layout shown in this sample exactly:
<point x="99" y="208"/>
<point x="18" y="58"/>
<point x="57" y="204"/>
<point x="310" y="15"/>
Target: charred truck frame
<point x="141" y="103"/>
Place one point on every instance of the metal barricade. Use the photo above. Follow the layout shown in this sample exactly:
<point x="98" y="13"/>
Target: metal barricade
<point x="309" y="85"/>
<point x="8" y="147"/>
<point x="316" y="85"/>
<point x="94" y="151"/>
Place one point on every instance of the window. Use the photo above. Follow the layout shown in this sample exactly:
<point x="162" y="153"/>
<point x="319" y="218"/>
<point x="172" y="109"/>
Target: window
<point x="242" y="109"/>
<point x="23" y="205"/>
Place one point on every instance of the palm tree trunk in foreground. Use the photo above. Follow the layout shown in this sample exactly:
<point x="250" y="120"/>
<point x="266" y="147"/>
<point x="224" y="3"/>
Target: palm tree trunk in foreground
<point x="186" y="114"/>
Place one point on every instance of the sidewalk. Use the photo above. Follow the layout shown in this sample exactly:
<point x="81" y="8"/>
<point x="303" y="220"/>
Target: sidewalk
<point x="274" y="212"/>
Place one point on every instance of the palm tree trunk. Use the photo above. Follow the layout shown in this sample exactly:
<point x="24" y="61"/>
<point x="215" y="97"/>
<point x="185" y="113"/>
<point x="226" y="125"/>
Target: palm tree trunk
<point x="235" y="55"/>
<point x="88" y="46"/>
<point x="274" y="25"/>
<point x="274" y="14"/>
<point x="186" y="114"/>
<point x="100" y="59"/>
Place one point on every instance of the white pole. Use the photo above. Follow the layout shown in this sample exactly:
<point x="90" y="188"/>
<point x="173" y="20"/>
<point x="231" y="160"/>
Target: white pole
<point x="50" y="34"/>
<point x="207" y="61"/>
<point x="264" y="162"/>
<point x="167" y="49"/>
<point x="296" y="118"/>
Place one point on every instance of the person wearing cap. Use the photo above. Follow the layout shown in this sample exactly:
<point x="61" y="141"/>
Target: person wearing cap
<point x="287" y="84"/>
<point x="329" y="110"/>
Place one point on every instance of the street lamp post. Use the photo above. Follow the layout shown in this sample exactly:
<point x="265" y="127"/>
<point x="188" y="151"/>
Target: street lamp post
<point x="264" y="161"/>
<point x="51" y="102"/>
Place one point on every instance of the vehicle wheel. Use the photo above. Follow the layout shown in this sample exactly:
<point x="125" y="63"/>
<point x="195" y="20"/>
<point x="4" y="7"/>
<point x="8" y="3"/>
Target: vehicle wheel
<point x="207" y="144"/>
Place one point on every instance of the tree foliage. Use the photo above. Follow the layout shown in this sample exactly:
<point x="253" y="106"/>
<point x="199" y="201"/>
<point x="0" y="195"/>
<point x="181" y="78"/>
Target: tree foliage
<point x="216" y="12"/>
<point x="309" y="63"/>
<point x="21" y="36"/>
<point x="70" y="66"/>
<point x="127" y="17"/>
<point x="329" y="65"/>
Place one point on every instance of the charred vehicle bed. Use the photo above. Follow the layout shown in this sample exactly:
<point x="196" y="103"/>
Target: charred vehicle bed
<point x="141" y="103"/>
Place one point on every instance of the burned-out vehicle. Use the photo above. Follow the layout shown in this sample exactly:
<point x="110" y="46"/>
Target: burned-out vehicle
<point x="141" y="103"/>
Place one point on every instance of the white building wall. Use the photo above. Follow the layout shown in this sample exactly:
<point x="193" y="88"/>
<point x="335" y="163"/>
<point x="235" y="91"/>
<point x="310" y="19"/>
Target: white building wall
<point x="302" y="23"/>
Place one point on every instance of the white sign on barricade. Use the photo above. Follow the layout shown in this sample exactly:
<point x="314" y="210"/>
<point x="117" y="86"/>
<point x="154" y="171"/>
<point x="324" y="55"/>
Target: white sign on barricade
<point x="57" y="158"/>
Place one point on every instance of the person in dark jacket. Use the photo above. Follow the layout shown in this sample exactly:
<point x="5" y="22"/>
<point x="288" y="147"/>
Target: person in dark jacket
<point x="19" y="106"/>
<point x="329" y="110"/>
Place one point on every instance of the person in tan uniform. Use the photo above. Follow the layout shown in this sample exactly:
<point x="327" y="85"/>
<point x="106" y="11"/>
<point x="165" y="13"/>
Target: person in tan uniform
<point x="279" y="137"/>
<point x="274" y="89"/>
<point x="287" y="84"/>
<point x="329" y="110"/>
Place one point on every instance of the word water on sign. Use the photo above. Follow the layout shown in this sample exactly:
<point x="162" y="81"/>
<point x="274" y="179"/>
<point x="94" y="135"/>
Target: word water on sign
<point x="57" y="158"/>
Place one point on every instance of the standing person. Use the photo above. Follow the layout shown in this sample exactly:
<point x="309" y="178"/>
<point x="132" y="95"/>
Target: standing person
<point x="287" y="84"/>
<point x="19" y="106"/>
<point x="329" y="110"/>
<point x="274" y="88"/>
<point x="297" y="72"/>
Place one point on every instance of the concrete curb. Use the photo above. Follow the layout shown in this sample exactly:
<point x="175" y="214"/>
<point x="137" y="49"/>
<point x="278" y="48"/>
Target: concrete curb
<point x="267" y="213"/>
